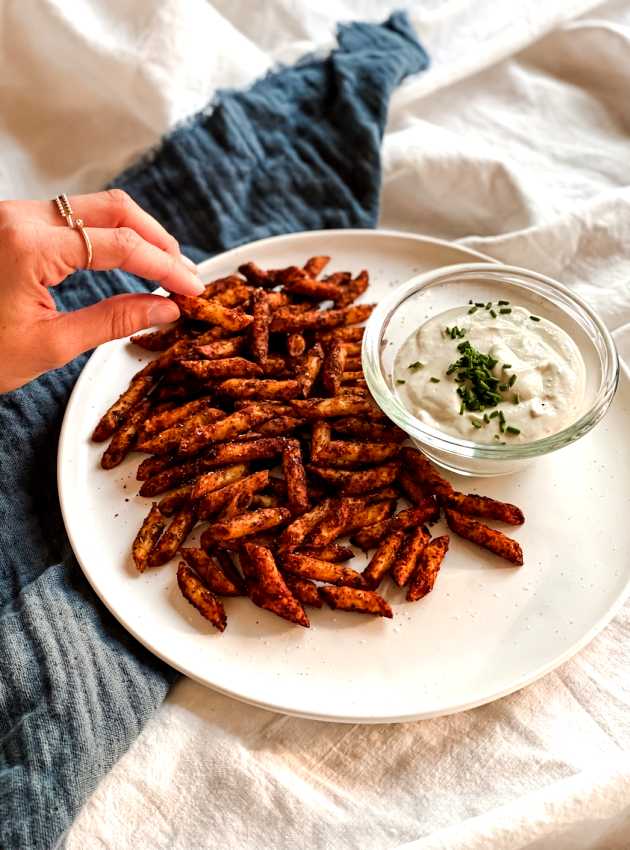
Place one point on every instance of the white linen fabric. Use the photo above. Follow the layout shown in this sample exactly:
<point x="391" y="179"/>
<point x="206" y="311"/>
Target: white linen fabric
<point x="517" y="142"/>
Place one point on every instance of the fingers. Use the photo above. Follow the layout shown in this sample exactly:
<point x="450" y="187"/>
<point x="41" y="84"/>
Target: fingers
<point x="115" y="208"/>
<point x="122" y="248"/>
<point x="112" y="208"/>
<point x="70" y="334"/>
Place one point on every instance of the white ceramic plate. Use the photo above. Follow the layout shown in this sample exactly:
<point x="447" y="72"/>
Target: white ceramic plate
<point x="486" y="630"/>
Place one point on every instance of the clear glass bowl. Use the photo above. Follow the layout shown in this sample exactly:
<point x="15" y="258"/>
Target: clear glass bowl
<point x="429" y="294"/>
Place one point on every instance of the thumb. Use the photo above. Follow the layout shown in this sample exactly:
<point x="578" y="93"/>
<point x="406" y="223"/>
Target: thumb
<point x="112" y="318"/>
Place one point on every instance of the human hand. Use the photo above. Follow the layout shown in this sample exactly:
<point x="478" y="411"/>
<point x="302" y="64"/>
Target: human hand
<point x="38" y="250"/>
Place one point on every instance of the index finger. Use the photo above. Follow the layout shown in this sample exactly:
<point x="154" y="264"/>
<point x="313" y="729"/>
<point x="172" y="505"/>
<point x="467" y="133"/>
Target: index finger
<point x="120" y="248"/>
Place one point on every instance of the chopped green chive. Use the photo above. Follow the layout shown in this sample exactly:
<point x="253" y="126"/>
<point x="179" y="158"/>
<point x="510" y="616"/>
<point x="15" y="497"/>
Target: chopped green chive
<point x="470" y="301"/>
<point x="512" y="381"/>
<point x="461" y="409"/>
<point x="493" y="314"/>
<point x="488" y="305"/>
<point x="455" y="332"/>
<point x="434" y="380"/>
<point x="476" y="422"/>
<point x="535" y="318"/>
<point x="415" y="366"/>
<point x="478" y="388"/>
<point x="503" y="303"/>
<point x="512" y="430"/>
<point x="473" y="309"/>
<point x="516" y="399"/>
<point x="479" y="304"/>
<point x="486" y="418"/>
<point x="401" y="382"/>
<point x="493" y="414"/>
<point x="505" y="310"/>
<point x="503" y="387"/>
<point x="506" y="366"/>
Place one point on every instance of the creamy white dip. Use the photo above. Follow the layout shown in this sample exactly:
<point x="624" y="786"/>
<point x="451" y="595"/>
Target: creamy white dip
<point x="540" y="372"/>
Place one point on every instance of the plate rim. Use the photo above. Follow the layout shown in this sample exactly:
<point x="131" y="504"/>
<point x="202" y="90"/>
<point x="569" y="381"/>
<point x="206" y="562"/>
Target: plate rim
<point x="355" y="231"/>
<point x="523" y="681"/>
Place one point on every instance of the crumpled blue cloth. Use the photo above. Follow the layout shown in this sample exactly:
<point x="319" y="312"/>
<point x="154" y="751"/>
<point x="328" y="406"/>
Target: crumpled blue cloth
<point x="299" y="150"/>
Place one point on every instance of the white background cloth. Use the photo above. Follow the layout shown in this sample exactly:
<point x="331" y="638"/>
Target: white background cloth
<point x="516" y="141"/>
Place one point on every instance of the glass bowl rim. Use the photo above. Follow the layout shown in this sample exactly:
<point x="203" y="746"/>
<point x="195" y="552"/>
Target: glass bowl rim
<point x="417" y="430"/>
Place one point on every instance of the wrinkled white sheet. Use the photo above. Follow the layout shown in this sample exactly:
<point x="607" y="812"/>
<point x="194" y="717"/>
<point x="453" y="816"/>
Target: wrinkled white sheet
<point x="517" y="142"/>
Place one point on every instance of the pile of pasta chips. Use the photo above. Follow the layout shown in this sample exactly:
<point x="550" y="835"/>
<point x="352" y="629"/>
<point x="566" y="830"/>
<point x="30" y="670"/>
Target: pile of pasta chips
<point x="256" y="423"/>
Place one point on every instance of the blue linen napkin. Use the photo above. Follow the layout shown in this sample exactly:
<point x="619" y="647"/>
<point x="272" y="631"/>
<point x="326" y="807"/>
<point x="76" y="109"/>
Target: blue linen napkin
<point x="299" y="150"/>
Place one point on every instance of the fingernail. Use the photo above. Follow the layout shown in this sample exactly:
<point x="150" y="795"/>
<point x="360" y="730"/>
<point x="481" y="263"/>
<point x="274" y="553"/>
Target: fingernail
<point x="189" y="264"/>
<point x="162" y="311"/>
<point x="197" y="286"/>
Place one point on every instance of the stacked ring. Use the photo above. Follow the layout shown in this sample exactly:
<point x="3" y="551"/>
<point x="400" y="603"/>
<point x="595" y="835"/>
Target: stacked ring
<point x="65" y="210"/>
